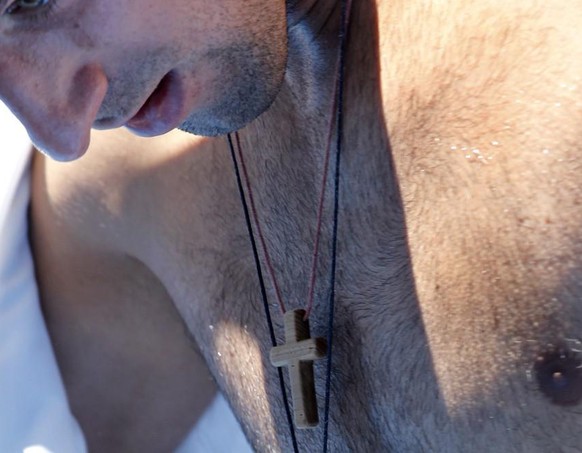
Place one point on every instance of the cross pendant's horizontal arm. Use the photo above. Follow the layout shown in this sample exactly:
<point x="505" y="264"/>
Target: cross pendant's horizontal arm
<point x="310" y="349"/>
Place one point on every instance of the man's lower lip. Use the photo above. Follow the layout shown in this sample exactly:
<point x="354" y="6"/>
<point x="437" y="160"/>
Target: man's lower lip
<point x="161" y="112"/>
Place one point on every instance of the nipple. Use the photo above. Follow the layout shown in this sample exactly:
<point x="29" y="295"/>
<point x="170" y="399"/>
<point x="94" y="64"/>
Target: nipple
<point x="558" y="372"/>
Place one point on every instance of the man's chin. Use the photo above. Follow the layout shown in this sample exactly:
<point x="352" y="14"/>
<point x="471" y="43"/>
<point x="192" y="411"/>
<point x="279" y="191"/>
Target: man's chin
<point x="236" y="112"/>
<point x="210" y="126"/>
<point x="205" y="130"/>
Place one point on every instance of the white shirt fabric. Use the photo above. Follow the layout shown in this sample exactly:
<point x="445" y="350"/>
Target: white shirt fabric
<point x="34" y="411"/>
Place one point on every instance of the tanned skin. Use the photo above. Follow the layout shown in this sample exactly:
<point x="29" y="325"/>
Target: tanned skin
<point x="459" y="271"/>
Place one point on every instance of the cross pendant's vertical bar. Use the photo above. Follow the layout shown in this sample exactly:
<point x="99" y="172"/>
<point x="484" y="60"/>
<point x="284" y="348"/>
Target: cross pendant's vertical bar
<point x="301" y="373"/>
<point x="303" y="394"/>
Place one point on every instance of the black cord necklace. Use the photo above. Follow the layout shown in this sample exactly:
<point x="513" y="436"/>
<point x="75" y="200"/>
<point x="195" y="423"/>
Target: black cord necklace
<point x="294" y="322"/>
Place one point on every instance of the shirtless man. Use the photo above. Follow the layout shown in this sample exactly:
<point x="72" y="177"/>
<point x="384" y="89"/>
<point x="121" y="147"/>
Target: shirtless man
<point x="458" y="312"/>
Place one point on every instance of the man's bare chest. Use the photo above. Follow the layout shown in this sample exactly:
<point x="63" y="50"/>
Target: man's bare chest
<point x="414" y="320"/>
<point x="379" y="342"/>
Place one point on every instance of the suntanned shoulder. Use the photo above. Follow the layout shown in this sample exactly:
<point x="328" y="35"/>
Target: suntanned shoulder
<point x="123" y="350"/>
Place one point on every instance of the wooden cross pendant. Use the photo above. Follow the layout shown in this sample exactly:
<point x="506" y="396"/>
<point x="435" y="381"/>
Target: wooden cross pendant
<point x="298" y="354"/>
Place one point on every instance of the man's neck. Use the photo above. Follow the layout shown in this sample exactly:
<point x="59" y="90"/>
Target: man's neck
<point x="284" y="149"/>
<point x="304" y="106"/>
<point x="310" y="13"/>
<point x="313" y="48"/>
<point x="307" y="91"/>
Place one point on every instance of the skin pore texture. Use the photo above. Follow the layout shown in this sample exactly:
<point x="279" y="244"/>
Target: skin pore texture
<point x="459" y="272"/>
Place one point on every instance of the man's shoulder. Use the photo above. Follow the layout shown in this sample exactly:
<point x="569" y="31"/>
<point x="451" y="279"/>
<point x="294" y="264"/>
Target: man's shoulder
<point x="110" y="318"/>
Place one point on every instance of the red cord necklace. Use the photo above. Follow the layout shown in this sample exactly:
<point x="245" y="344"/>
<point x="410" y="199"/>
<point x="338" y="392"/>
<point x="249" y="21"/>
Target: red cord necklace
<point x="300" y="350"/>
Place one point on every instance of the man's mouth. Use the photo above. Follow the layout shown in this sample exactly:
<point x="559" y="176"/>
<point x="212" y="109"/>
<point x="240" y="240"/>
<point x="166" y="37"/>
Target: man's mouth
<point x="162" y="111"/>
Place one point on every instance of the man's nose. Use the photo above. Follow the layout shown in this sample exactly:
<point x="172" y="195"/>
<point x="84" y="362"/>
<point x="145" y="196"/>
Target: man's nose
<point x="58" y="107"/>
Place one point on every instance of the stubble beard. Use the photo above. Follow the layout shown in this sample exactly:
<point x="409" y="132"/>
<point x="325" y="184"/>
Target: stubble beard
<point x="251" y="77"/>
